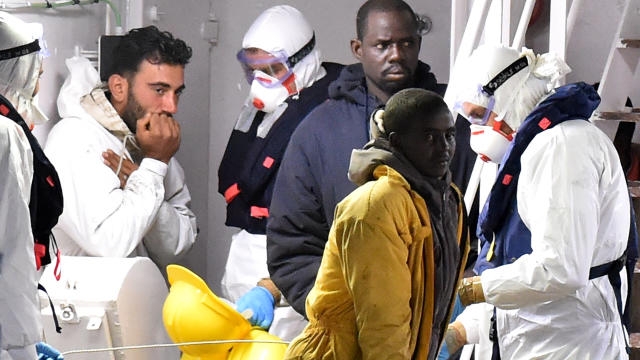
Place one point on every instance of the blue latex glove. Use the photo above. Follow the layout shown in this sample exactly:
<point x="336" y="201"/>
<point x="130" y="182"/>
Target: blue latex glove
<point x="46" y="352"/>
<point x="261" y="302"/>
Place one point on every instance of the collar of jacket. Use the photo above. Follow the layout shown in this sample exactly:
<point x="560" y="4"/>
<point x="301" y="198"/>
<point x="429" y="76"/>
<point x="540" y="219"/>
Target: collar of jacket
<point x="99" y="108"/>
<point x="351" y="84"/>
<point x="364" y="163"/>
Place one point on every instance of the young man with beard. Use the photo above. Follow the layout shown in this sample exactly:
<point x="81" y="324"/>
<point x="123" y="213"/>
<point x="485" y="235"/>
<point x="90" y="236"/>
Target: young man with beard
<point x="313" y="174"/>
<point x="125" y="194"/>
<point x="398" y="244"/>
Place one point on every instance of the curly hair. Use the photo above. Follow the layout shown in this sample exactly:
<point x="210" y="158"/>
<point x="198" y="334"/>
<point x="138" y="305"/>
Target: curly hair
<point x="151" y="44"/>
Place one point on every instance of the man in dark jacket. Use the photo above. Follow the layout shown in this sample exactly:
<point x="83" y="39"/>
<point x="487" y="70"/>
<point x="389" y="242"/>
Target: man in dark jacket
<point x="313" y="174"/>
<point x="287" y="81"/>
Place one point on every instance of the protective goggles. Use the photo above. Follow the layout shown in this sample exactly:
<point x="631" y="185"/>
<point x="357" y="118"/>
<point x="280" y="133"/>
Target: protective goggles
<point x="472" y="114"/>
<point x="484" y="94"/>
<point x="277" y="65"/>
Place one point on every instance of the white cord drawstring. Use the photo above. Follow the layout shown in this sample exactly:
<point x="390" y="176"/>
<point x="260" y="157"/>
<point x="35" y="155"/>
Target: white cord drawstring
<point x="134" y="347"/>
<point x="132" y="139"/>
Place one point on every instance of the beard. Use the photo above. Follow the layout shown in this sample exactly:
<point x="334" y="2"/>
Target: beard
<point x="132" y="112"/>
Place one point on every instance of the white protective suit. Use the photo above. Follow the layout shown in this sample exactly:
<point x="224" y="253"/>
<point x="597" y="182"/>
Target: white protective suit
<point x="20" y="325"/>
<point x="572" y="196"/>
<point x="149" y="217"/>
<point x="578" y="215"/>
<point x="280" y="28"/>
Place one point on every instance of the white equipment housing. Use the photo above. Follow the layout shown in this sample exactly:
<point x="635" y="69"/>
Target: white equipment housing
<point x="107" y="302"/>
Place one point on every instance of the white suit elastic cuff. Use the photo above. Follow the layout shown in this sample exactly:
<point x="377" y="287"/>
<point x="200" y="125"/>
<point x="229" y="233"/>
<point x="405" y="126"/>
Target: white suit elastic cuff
<point x="155" y="166"/>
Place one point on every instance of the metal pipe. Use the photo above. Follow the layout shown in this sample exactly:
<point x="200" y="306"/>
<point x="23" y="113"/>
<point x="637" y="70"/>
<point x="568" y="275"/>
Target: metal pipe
<point x="518" y="38"/>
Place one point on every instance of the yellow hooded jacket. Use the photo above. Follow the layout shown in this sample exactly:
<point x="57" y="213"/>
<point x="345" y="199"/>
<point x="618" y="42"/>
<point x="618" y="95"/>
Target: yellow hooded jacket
<point x="373" y="296"/>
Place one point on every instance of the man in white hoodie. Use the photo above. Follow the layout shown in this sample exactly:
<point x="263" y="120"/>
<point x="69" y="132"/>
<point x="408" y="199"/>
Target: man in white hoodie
<point x="125" y="194"/>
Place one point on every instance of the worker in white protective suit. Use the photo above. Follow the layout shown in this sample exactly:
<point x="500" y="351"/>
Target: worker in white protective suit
<point x="288" y="80"/>
<point x="125" y="193"/>
<point x="557" y="226"/>
<point x="21" y="54"/>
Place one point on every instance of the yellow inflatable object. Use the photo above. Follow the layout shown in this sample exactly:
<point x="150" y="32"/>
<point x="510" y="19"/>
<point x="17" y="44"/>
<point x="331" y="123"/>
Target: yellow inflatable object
<point x="257" y="350"/>
<point x="192" y="312"/>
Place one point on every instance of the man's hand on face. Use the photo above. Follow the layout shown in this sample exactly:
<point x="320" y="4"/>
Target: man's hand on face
<point x="111" y="159"/>
<point x="158" y="136"/>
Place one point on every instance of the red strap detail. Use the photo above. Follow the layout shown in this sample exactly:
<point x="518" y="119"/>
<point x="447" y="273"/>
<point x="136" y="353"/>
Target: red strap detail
<point x="264" y="80"/>
<point x="477" y="132"/>
<point x="484" y="158"/>
<point x="497" y="125"/>
<point x="289" y="84"/>
<point x="39" y="250"/>
<point x="506" y="180"/>
<point x="50" y="181"/>
<point x="4" y="110"/>
<point x="231" y="193"/>
<point x="259" y="212"/>
<point x="544" y="123"/>
<point x="56" y="271"/>
<point x="268" y="161"/>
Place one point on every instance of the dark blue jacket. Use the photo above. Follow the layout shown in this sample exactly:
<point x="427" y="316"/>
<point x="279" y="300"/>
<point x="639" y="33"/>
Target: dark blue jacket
<point x="313" y="179"/>
<point x="250" y="163"/>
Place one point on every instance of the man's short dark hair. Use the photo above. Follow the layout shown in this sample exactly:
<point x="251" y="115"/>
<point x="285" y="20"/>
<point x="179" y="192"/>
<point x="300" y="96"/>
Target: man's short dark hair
<point x="381" y="6"/>
<point x="151" y="44"/>
<point x="407" y="105"/>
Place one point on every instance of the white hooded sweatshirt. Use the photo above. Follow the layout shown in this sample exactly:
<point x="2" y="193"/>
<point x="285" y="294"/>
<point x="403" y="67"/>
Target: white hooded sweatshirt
<point x="149" y="217"/>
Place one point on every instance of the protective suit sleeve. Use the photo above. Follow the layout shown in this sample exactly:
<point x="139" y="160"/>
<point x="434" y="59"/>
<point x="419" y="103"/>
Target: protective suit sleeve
<point x="564" y="173"/>
<point x="174" y="230"/>
<point x="100" y="217"/>
<point x="20" y="324"/>
<point x="374" y="262"/>
<point x="297" y="229"/>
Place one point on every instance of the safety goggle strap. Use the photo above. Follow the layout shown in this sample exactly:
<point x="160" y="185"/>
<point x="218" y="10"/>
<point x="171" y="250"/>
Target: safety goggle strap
<point x="20" y="50"/>
<point x="504" y="75"/>
<point x="300" y="54"/>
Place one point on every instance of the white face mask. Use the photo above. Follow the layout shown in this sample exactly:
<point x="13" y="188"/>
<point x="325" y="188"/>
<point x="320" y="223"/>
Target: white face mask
<point x="490" y="144"/>
<point x="264" y="98"/>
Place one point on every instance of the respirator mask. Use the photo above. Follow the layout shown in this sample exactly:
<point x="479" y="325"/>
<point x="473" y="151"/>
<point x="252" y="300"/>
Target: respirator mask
<point x="271" y="74"/>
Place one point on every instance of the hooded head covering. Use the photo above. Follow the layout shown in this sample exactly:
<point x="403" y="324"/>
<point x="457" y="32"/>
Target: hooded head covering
<point x="518" y="89"/>
<point x="19" y="73"/>
<point x="284" y="29"/>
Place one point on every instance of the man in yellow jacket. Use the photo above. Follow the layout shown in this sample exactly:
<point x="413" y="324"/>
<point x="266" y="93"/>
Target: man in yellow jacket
<point x="398" y="245"/>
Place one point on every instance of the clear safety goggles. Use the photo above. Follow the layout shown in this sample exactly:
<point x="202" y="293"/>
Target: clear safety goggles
<point x="473" y="114"/>
<point x="254" y="65"/>
<point x="277" y="65"/>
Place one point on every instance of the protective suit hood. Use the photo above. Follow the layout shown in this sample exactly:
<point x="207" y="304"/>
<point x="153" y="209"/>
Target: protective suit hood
<point x="283" y="29"/>
<point x="19" y="74"/>
<point x="519" y="88"/>
<point x="83" y="78"/>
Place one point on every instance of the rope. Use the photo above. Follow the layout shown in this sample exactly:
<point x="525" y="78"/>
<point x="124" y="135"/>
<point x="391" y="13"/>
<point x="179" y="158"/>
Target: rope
<point x="136" y="347"/>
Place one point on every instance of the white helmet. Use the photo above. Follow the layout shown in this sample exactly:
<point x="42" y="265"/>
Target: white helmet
<point x="21" y="54"/>
<point x="284" y="33"/>
<point x="508" y="81"/>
